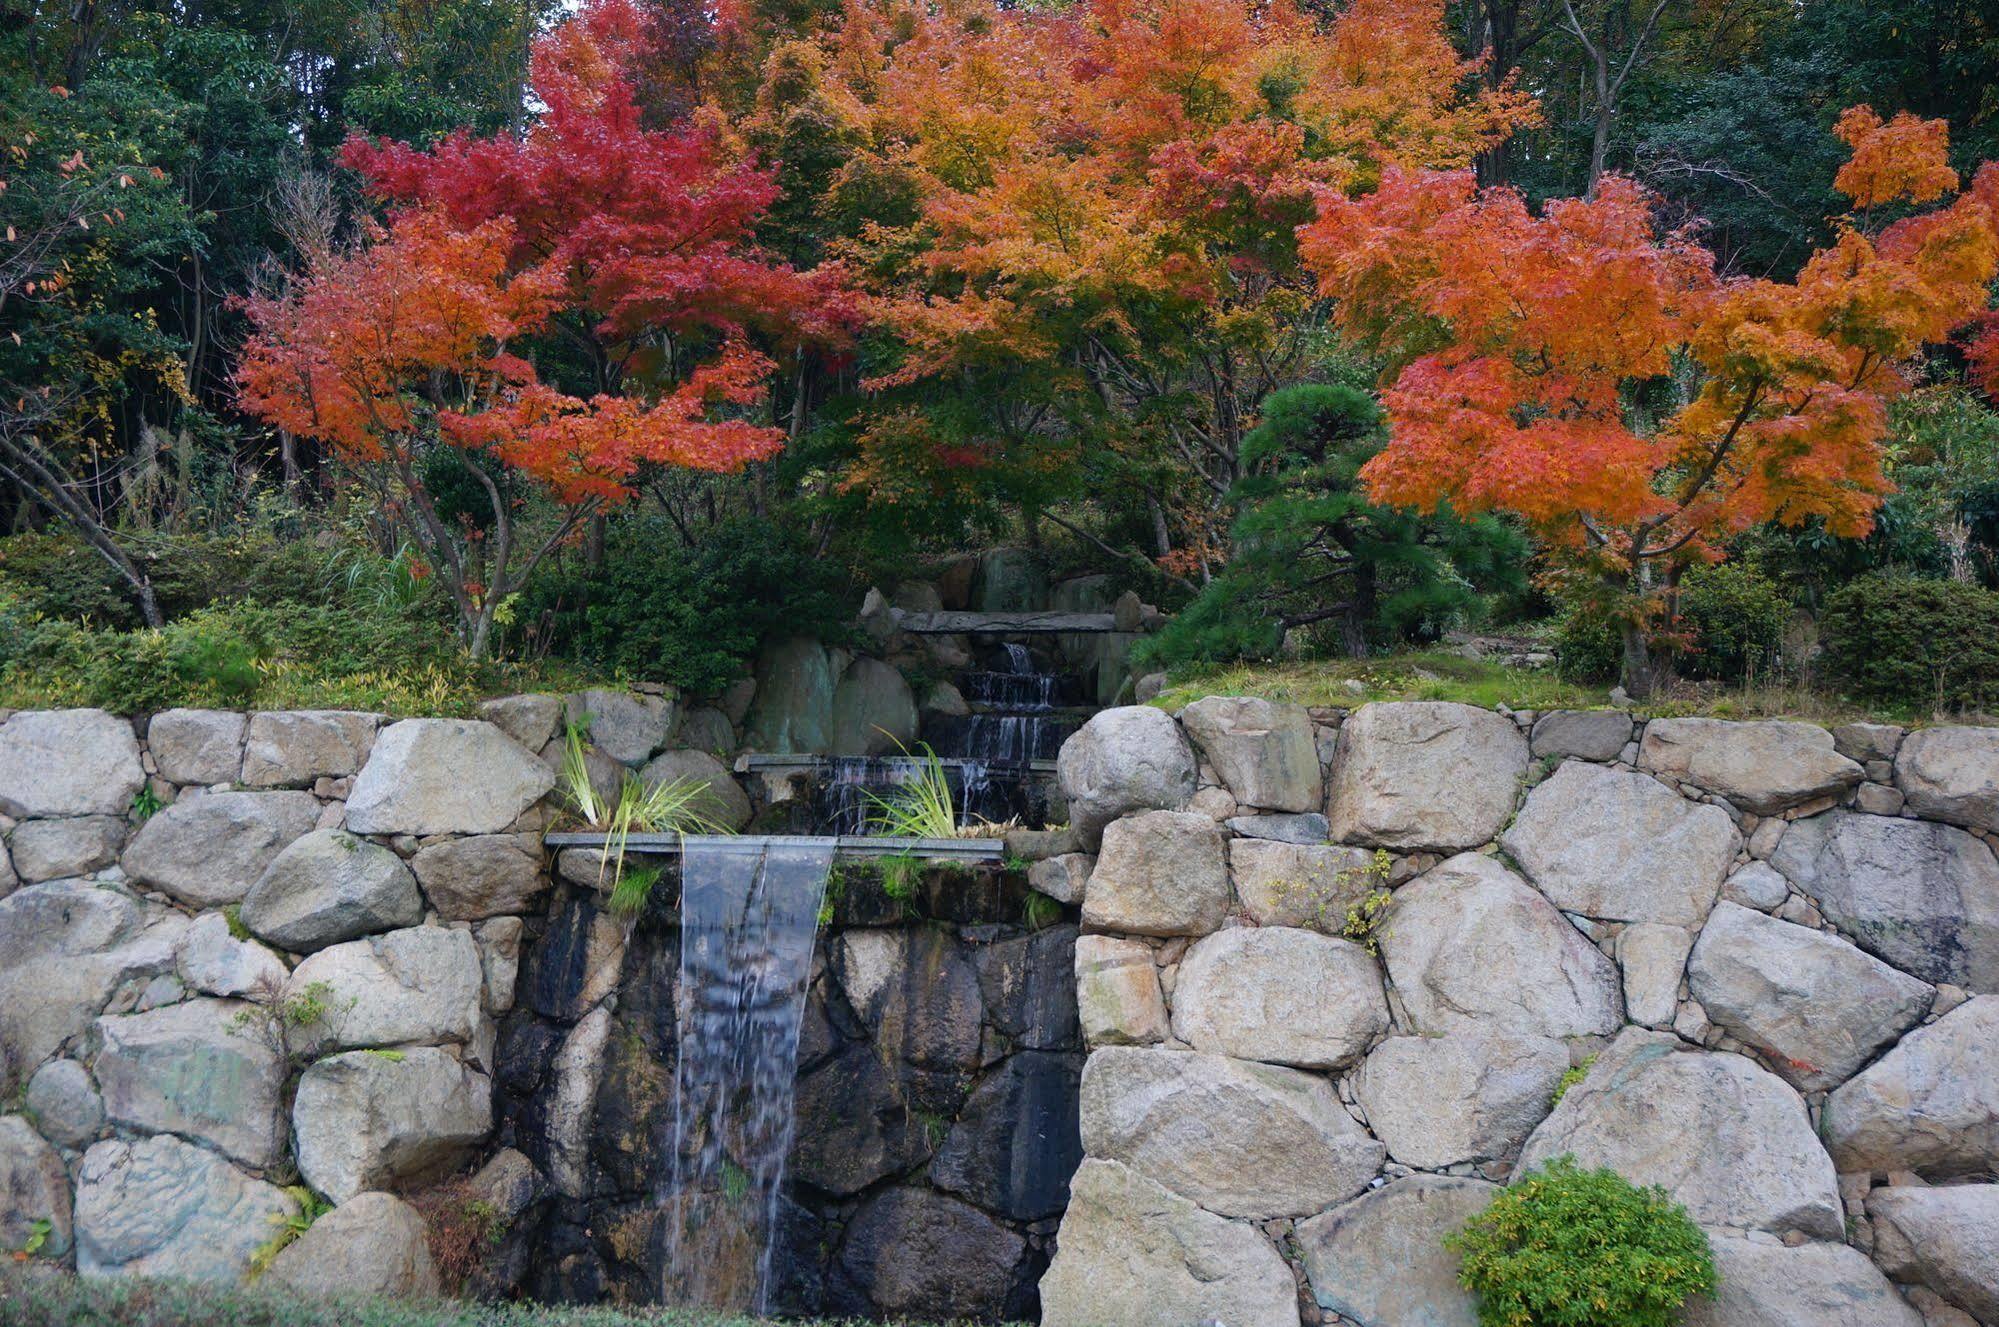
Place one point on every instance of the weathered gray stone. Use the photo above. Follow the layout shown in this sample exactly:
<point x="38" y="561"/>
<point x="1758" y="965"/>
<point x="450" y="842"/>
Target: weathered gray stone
<point x="60" y="849"/>
<point x="1133" y="1254"/>
<point x="365" y="1120"/>
<point x="1758" y="885"/>
<point x="1117" y="992"/>
<point x="571" y="1111"/>
<point x="719" y="797"/>
<point x="1160" y="873"/>
<point x="917" y="991"/>
<point x="33" y="1188"/>
<point x="208" y="850"/>
<point x="1815" y="1006"/>
<point x="1132" y="758"/>
<point x="1725" y="1138"/>
<point x="706" y="729"/>
<point x="499" y="941"/>
<point x="627" y="726"/>
<point x="445" y="776"/>
<point x="65" y="1105"/>
<point x="1584" y="734"/>
<point x="197" y="746"/>
<point x="66" y="948"/>
<point x="205" y="1070"/>
<point x="1239" y="1138"/>
<point x="1765" y="767"/>
<point x="1653" y="958"/>
<point x="9" y="882"/>
<point x="914" y="1251"/>
<point x="1622" y="847"/>
<point x="163" y="1208"/>
<point x="1381" y="1258"/>
<point x="1461" y="1097"/>
<point x="330" y="886"/>
<point x="486" y="875"/>
<point x="1279" y="995"/>
<point x="874" y="711"/>
<point x="68" y="763"/>
<point x="1766" y="1284"/>
<point x="793" y="705"/>
<point x="1064" y="877"/>
<point x="1262" y="750"/>
<point x="214" y="962"/>
<point x="1470" y="947"/>
<point x="1951" y="773"/>
<point x="532" y="719"/>
<point x="371" y="1246"/>
<point x="1867" y="741"/>
<point x="292" y="748"/>
<point x="1424" y="776"/>
<point x="1289" y="884"/>
<point x="1930" y="1105"/>
<point x="421" y="985"/>
<point x="1923" y="896"/>
<point x="1310" y="828"/>
<point x="1946" y="1238"/>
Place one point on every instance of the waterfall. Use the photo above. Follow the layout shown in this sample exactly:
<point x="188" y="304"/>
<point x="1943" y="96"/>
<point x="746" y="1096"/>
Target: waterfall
<point x="749" y="910"/>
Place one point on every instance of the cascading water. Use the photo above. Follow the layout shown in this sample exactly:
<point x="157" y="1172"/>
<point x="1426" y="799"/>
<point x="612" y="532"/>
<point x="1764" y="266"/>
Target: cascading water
<point x="749" y="910"/>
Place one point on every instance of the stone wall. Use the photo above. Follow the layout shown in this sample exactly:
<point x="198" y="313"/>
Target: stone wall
<point x="1336" y="968"/>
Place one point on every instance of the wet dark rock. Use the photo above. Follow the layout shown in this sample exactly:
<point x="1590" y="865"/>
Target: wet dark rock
<point x="917" y="990"/>
<point x="915" y="1252"/>
<point x="1018" y="1142"/>
<point x="1029" y="986"/>
<point x="854" y="1127"/>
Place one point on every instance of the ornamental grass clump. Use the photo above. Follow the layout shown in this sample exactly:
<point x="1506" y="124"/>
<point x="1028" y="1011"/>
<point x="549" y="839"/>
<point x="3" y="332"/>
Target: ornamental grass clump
<point x="1567" y="1247"/>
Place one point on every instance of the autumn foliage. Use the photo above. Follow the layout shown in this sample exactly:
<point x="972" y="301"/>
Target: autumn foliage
<point x="1580" y="369"/>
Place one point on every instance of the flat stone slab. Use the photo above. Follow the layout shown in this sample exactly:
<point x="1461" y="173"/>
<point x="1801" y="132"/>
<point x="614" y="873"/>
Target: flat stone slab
<point x="1006" y="624"/>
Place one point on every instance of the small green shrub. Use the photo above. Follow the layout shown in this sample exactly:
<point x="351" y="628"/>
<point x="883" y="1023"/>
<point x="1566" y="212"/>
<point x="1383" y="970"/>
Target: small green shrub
<point x="1918" y="644"/>
<point x="1567" y="1247"/>
<point x="1735" y="619"/>
<point x="1587" y="648"/>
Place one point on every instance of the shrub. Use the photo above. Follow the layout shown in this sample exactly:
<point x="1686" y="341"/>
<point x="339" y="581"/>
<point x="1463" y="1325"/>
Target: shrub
<point x="1735" y="620"/>
<point x="1921" y="644"/>
<point x="1567" y="1247"/>
<point x="1586" y="647"/>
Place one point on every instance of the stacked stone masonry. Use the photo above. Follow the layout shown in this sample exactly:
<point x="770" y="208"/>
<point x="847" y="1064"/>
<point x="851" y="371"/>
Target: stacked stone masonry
<point x="1330" y="1004"/>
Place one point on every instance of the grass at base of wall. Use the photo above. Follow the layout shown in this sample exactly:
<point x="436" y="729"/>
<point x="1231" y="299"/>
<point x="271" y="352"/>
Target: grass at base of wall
<point x="52" y="1298"/>
<point x="1488" y="683"/>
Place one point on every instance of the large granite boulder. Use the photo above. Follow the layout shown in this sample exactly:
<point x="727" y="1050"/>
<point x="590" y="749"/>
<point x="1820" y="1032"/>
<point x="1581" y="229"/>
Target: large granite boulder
<point x="720" y="798"/>
<point x="1118" y="1000"/>
<point x="917" y="991"/>
<point x="366" y="1119"/>
<point x="1279" y="995"/>
<point x="627" y="726"/>
<point x="1160" y="873"/>
<point x="422" y="986"/>
<point x="1381" y="1258"/>
<point x="1471" y="948"/>
<point x="372" y="1246"/>
<point x="1241" y="1139"/>
<point x="1763" y="1283"/>
<point x="874" y="711"/>
<point x="295" y="748"/>
<point x="197" y="746"/>
<point x="68" y="763"/>
<point x="208" y="850"/>
<point x="1923" y="896"/>
<point x="65" y="1104"/>
<point x="1727" y="1139"/>
<point x="204" y="1069"/>
<point x="914" y="1252"/>
<point x="34" y="1188"/>
<point x="1424" y="776"/>
<point x="66" y="949"/>
<point x="1951" y="773"/>
<point x="530" y="719"/>
<point x="485" y="875"/>
<point x="1133" y="1254"/>
<point x="793" y="705"/>
<point x="1017" y="1140"/>
<point x="162" y="1208"/>
<point x="1584" y="734"/>
<point x="1294" y="884"/>
<point x="1930" y="1105"/>
<point x="1765" y="767"/>
<point x="330" y="886"/>
<point x="1621" y="846"/>
<point x="1461" y="1097"/>
<point x="1132" y="758"/>
<point x="1816" y="1007"/>
<point x="62" y="849"/>
<point x="1946" y="1238"/>
<point x="445" y="776"/>
<point x="1263" y="751"/>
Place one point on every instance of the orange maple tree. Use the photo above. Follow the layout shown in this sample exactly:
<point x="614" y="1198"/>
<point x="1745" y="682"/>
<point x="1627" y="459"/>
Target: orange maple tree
<point x="1595" y="377"/>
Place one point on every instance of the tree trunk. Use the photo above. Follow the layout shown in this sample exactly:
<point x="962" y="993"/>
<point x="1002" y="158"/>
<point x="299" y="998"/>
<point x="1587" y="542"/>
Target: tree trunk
<point x="1640" y="670"/>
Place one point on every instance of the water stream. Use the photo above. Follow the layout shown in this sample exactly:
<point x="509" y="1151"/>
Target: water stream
<point x="749" y="911"/>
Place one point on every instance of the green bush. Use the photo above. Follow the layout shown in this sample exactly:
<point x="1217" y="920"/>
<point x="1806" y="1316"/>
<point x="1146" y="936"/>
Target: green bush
<point x="1567" y="1247"/>
<point x="1587" y="648"/>
<point x="63" y="578"/>
<point x="659" y="611"/>
<point x="1735" y="619"/>
<point x="1919" y="644"/>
